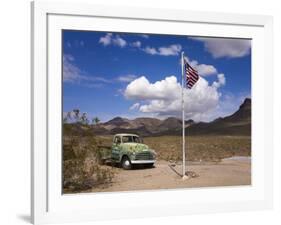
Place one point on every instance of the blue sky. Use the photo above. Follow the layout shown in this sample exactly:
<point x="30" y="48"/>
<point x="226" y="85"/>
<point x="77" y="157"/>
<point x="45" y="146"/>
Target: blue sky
<point x="138" y="75"/>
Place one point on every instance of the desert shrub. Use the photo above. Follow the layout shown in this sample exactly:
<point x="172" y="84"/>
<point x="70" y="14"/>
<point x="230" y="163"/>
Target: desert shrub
<point x="77" y="129"/>
<point x="81" y="164"/>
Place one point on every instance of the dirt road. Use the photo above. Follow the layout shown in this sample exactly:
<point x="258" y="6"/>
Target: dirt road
<point x="230" y="172"/>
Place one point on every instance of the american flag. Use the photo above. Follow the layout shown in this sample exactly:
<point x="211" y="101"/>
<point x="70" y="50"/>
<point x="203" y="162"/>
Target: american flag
<point x="191" y="75"/>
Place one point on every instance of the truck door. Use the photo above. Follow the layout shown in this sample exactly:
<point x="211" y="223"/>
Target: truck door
<point x="115" y="152"/>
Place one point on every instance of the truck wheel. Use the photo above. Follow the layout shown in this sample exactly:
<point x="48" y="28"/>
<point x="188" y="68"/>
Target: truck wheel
<point x="126" y="163"/>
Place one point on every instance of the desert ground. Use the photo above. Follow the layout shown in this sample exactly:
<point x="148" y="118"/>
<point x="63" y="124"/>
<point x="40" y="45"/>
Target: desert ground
<point x="212" y="160"/>
<point x="198" y="148"/>
<point x="165" y="175"/>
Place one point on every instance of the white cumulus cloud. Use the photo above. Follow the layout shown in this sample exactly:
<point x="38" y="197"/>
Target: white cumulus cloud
<point x="135" y="106"/>
<point x="226" y="47"/>
<point x="109" y="39"/>
<point x="136" y="44"/>
<point x="150" y="50"/>
<point x="170" y="50"/>
<point x="142" y="89"/>
<point x="106" y="40"/>
<point x="220" y="82"/>
<point x="202" y="69"/>
<point x="163" y="98"/>
<point x="119" y="41"/>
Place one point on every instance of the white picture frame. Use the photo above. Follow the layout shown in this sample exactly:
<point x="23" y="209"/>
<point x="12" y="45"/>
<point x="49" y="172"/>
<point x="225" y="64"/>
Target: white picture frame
<point x="48" y="205"/>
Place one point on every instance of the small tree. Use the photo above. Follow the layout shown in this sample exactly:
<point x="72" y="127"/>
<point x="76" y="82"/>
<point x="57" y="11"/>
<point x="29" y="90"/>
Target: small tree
<point x="95" y="120"/>
<point x="67" y="117"/>
<point x="84" y="118"/>
<point x="76" y="115"/>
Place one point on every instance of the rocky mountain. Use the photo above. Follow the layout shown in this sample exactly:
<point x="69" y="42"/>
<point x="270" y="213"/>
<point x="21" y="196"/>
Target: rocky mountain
<point x="239" y="123"/>
<point x="143" y="126"/>
<point x="122" y="123"/>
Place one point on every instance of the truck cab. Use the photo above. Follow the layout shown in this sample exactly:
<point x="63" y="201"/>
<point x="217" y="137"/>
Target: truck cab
<point x="128" y="150"/>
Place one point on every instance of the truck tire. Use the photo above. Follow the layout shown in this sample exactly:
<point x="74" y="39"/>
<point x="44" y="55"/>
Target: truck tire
<point x="126" y="163"/>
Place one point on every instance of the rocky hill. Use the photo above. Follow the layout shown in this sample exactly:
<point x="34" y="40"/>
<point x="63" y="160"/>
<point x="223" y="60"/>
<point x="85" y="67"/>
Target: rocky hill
<point x="239" y="123"/>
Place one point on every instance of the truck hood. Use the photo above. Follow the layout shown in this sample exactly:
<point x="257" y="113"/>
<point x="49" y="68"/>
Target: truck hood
<point x="135" y="147"/>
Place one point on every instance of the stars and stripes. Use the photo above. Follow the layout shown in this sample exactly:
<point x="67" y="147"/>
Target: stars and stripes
<point x="191" y="75"/>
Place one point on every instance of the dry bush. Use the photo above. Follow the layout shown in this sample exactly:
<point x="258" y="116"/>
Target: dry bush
<point x="81" y="168"/>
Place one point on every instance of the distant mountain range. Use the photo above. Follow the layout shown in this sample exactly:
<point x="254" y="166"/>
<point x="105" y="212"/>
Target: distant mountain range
<point x="239" y="123"/>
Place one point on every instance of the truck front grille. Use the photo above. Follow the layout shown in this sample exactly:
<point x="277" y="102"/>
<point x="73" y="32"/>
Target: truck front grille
<point x="144" y="156"/>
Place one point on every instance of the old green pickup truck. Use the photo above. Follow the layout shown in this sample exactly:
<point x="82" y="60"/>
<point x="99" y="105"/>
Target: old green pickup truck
<point x="128" y="150"/>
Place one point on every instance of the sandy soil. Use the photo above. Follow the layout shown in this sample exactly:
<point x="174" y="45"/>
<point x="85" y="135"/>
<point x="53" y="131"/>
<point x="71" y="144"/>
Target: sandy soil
<point x="230" y="172"/>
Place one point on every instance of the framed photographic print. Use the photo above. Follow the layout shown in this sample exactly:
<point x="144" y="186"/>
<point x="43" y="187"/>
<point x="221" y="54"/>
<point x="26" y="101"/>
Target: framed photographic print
<point x="148" y="112"/>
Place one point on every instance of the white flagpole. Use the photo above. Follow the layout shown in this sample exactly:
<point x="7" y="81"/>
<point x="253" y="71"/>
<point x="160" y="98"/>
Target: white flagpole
<point x="183" y="116"/>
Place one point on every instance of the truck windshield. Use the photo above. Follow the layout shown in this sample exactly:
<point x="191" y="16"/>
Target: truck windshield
<point x="130" y="139"/>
